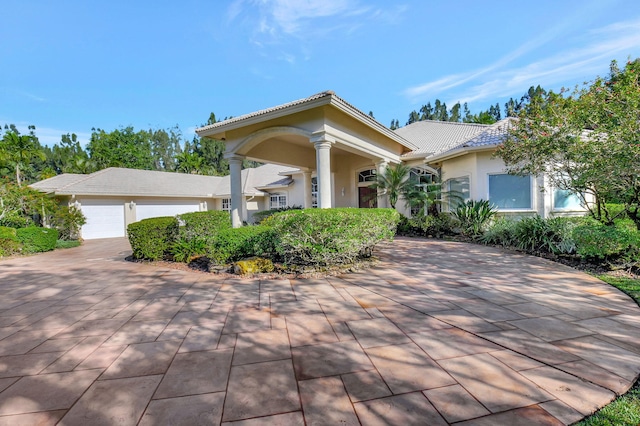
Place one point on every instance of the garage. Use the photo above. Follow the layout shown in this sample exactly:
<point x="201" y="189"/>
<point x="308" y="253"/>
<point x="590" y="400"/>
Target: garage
<point x="158" y="208"/>
<point x="105" y="218"/>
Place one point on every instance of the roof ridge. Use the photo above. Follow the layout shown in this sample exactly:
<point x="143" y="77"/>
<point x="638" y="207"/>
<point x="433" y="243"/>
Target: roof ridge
<point x="450" y="122"/>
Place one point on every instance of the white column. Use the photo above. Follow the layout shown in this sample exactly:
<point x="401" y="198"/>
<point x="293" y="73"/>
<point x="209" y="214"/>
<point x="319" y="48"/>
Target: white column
<point x="235" y="169"/>
<point x="307" y="189"/>
<point x="381" y="166"/>
<point x="323" y="169"/>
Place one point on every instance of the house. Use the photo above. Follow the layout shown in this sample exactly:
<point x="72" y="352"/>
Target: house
<point x="319" y="151"/>
<point x="337" y="150"/>
<point x="113" y="198"/>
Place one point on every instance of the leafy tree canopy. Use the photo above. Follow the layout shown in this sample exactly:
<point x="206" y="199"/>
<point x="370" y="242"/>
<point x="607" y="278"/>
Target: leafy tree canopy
<point x="587" y="141"/>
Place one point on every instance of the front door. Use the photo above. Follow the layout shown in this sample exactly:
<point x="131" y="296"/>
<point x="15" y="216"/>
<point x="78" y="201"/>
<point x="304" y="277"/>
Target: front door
<point x="367" y="197"/>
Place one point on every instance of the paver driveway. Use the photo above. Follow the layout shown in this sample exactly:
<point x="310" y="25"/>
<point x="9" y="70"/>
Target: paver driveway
<point x="438" y="333"/>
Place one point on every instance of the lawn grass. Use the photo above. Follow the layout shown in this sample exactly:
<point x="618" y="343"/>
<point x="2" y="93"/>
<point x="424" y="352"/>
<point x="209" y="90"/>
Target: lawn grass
<point x="62" y="244"/>
<point x="625" y="410"/>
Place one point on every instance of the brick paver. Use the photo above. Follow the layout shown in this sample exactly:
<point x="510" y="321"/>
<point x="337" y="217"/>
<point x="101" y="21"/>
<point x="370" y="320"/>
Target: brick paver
<point x="437" y="333"/>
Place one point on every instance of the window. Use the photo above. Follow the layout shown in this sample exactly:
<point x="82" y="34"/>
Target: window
<point x="226" y="204"/>
<point x="509" y="192"/>
<point x="563" y="199"/>
<point x="425" y="180"/>
<point x="367" y="176"/>
<point x="314" y="192"/>
<point x="458" y="191"/>
<point x="278" y="201"/>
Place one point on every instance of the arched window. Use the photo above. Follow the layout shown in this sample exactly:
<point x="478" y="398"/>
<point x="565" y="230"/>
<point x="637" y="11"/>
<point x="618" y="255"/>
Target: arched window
<point x="366" y="176"/>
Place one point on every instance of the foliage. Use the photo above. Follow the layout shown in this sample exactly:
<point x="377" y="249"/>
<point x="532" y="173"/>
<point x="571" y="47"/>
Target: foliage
<point x="65" y="244"/>
<point x="233" y="244"/>
<point x="9" y="243"/>
<point x="204" y="224"/>
<point x="152" y="238"/>
<point x="19" y="151"/>
<point x="394" y="182"/>
<point x="502" y="232"/>
<point x="595" y="240"/>
<point x="121" y="148"/>
<point x="436" y="226"/>
<point x="587" y="143"/>
<point x="535" y="234"/>
<point x="36" y="240"/>
<point x="254" y="265"/>
<point x="21" y="206"/>
<point x="474" y="216"/>
<point x="260" y="216"/>
<point x="185" y="250"/>
<point x="68" y="220"/>
<point x="331" y="236"/>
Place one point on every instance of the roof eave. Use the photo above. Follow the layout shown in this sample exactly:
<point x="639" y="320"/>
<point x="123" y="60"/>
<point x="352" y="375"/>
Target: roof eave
<point x="457" y="152"/>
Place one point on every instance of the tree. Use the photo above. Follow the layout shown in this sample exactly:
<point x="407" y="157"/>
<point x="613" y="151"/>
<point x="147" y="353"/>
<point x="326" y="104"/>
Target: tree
<point x="395" y="124"/>
<point x="413" y="117"/>
<point x="426" y="112"/>
<point x="454" y="113"/>
<point x="18" y="151"/>
<point x="394" y="182"/>
<point x="121" y="148"/>
<point x="587" y="142"/>
<point x="165" y="145"/>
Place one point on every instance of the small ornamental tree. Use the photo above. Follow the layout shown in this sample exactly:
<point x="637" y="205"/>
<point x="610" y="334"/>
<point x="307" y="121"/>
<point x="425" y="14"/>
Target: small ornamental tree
<point x="587" y="142"/>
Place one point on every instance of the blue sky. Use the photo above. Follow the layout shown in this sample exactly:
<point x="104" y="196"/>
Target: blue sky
<point x="68" y="66"/>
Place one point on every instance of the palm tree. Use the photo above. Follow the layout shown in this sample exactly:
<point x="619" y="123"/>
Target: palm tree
<point x="20" y="150"/>
<point x="394" y="182"/>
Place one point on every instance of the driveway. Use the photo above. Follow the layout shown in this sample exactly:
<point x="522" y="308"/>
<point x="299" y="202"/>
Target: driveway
<point x="438" y="333"/>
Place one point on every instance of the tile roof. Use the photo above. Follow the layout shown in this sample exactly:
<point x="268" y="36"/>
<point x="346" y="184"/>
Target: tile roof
<point x="330" y="98"/>
<point x="258" y="178"/>
<point x="493" y="134"/>
<point x="115" y="181"/>
<point x="432" y="137"/>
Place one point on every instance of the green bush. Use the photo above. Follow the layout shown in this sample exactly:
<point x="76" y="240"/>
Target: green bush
<point x="65" y="244"/>
<point x="9" y="243"/>
<point x="535" y="234"/>
<point x="258" y="217"/>
<point x="230" y="245"/>
<point x="68" y="220"/>
<point x="595" y="240"/>
<point x="331" y="236"/>
<point x="203" y="224"/>
<point x="185" y="250"/>
<point x="37" y="240"/>
<point x="152" y="238"/>
<point x="502" y="232"/>
<point x="474" y="216"/>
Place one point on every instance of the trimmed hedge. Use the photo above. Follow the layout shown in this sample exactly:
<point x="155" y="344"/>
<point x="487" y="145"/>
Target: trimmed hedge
<point x="152" y="238"/>
<point x="203" y="224"/>
<point x="37" y="240"/>
<point x="230" y="245"/>
<point x="9" y="243"/>
<point x="595" y="240"/>
<point x="331" y="236"/>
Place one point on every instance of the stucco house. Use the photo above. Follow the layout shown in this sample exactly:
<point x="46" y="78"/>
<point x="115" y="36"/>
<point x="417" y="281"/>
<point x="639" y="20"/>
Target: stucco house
<point x="319" y="151"/>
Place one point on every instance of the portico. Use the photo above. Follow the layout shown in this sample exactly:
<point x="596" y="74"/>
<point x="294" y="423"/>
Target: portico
<point x="322" y="136"/>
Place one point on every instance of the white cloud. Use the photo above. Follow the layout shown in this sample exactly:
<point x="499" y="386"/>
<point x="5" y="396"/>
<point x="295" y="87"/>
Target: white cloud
<point x="497" y="80"/>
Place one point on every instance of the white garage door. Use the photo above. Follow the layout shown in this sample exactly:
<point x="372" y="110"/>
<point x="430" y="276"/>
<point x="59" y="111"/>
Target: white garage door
<point x="105" y="218"/>
<point x="147" y="209"/>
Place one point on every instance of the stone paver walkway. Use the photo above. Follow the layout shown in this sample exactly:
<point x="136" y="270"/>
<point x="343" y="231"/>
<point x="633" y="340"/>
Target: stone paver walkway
<point x="439" y="333"/>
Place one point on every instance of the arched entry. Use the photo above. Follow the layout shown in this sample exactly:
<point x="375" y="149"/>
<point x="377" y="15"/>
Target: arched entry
<point x="367" y="196"/>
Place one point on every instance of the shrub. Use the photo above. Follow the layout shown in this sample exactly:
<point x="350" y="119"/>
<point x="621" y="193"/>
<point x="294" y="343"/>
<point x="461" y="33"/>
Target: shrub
<point x="535" y="234"/>
<point x="258" y="217"/>
<point x="185" y="250"/>
<point x="68" y="220"/>
<point x="474" y="216"/>
<point x="9" y="243"/>
<point x="152" y="238"/>
<point x="37" y="240"/>
<point x="64" y="244"/>
<point x="502" y="232"/>
<point x="255" y="265"/>
<point x="595" y="240"/>
<point x="331" y="236"/>
<point x="437" y="225"/>
<point x="233" y="244"/>
<point x="203" y="224"/>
